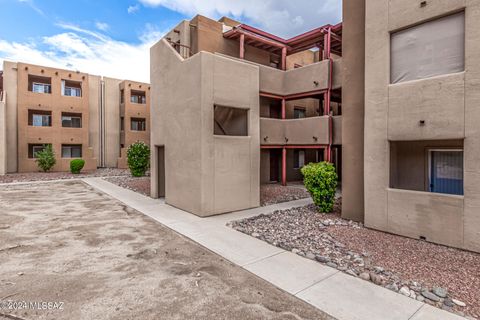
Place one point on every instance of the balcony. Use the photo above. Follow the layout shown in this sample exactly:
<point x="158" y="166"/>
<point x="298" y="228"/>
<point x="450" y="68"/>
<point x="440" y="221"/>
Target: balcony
<point x="306" y="131"/>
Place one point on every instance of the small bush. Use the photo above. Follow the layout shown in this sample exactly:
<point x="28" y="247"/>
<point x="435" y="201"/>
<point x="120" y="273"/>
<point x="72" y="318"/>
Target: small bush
<point x="320" y="179"/>
<point x="76" y="165"/>
<point x="46" y="158"/>
<point x="138" y="158"/>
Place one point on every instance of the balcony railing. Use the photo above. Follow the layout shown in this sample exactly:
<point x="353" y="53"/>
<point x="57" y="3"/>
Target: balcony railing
<point x="184" y="50"/>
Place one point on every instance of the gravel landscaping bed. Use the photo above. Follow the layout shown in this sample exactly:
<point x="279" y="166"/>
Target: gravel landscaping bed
<point x="276" y="193"/>
<point x="440" y="276"/>
<point x="45" y="176"/>
<point x="137" y="184"/>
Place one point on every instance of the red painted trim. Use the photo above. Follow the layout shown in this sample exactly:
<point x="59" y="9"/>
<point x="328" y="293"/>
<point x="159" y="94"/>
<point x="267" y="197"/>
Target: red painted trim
<point x="284" y="109"/>
<point x="242" y="46"/>
<point x="296" y="146"/>
<point x="292" y="96"/>
<point x="284" y="58"/>
<point x="284" y="166"/>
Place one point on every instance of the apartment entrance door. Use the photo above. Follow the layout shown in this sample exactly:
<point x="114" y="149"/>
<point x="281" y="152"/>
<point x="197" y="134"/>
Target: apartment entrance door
<point x="161" y="171"/>
<point x="275" y="156"/>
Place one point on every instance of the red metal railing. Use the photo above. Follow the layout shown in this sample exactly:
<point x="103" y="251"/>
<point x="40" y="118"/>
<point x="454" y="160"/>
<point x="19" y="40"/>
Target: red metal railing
<point x="183" y="50"/>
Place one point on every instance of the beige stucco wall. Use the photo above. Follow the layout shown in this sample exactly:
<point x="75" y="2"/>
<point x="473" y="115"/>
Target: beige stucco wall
<point x="94" y="107"/>
<point x="3" y="136"/>
<point x="199" y="165"/>
<point x="352" y="124"/>
<point x="10" y="80"/>
<point x="449" y="105"/>
<point x="305" y="131"/>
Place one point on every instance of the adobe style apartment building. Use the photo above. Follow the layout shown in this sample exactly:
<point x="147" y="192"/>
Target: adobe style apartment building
<point x="234" y="106"/>
<point x="82" y="116"/>
<point x="421" y="72"/>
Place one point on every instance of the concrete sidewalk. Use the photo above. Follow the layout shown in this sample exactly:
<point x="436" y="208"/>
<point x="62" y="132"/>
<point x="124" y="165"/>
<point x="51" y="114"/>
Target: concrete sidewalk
<point x="336" y="293"/>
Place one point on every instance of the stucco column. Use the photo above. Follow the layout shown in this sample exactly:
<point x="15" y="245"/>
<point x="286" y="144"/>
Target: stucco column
<point x="284" y="58"/>
<point x="242" y="46"/>
<point x="284" y="166"/>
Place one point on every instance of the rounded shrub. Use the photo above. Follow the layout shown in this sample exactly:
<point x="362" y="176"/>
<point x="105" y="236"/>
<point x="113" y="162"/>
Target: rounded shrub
<point x="138" y="158"/>
<point x="320" y="179"/>
<point x="76" y="165"/>
<point x="45" y="158"/>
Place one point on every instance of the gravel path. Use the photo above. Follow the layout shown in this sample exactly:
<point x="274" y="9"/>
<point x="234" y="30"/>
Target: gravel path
<point x="276" y="193"/>
<point x="441" y="276"/>
<point x="45" y="176"/>
<point x="137" y="184"/>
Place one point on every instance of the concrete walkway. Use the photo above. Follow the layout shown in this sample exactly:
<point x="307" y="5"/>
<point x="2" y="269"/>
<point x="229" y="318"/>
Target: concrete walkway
<point x="336" y="293"/>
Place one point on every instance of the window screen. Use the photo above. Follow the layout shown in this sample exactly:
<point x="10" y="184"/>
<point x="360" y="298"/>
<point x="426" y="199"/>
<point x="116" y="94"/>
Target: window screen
<point x="446" y="171"/>
<point x="430" y="49"/>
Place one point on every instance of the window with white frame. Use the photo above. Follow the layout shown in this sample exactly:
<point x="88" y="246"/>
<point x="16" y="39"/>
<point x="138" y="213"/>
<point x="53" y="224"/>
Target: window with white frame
<point x="39" y="84"/>
<point x="33" y="149"/>
<point x="39" y="118"/>
<point x="137" y="124"/>
<point x="298" y="159"/>
<point x="71" y="120"/>
<point x="71" y="88"/>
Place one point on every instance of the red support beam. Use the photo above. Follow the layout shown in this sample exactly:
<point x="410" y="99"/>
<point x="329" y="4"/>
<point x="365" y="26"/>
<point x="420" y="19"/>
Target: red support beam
<point x="242" y="46"/>
<point x="284" y="166"/>
<point x="284" y="58"/>
<point x="284" y="108"/>
<point x="291" y="146"/>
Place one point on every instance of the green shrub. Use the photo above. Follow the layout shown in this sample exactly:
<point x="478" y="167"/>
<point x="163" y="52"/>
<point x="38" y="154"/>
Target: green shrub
<point x="138" y="158"/>
<point x="76" y="165"/>
<point x="320" y="179"/>
<point x="45" y="158"/>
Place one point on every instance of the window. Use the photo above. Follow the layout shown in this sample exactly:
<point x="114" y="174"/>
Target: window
<point x="298" y="159"/>
<point x="122" y="96"/>
<point x="33" y="149"/>
<point x="138" y="97"/>
<point x="122" y="123"/>
<point x="274" y="61"/>
<point x="71" y="120"/>
<point x="39" y="84"/>
<point x="71" y="88"/>
<point x="137" y="124"/>
<point x="39" y="118"/>
<point x="299" y="113"/>
<point x="71" y="150"/>
<point x="228" y="121"/>
<point x="446" y="171"/>
<point x="429" y="49"/>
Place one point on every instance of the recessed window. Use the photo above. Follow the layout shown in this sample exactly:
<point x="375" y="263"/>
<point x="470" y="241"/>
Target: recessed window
<point x="122" y="96"/>
<point x="34" y="148"/>
<point x="39" y="118"/>
<point x="71" y="88"/>
<point x="429" y="49"/>
<point x="122" y="123"/>
<point x="39" y="84"/>
<point x="137" y="124"/>
<point x="71" y="120"/>
<point x="446" y="171"/>
<point x="138" y="97"/>
<point x="298" y="159"/>
<point x="299" y="113"/>
<point x="230" y="121"/>
<point x="71" y="150"/>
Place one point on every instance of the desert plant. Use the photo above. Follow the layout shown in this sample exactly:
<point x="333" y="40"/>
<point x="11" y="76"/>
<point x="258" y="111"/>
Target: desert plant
<point x="76" y="165"/>
<point x="45" y="158"/>
<point x="138" y="158"/>
<point x="320" y="179"/>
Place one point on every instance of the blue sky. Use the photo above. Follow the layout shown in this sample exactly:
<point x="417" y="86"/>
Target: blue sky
<point x="106" y="37"/>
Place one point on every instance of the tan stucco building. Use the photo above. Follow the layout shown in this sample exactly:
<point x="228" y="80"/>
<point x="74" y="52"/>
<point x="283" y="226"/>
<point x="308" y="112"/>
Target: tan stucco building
<point x="233" y="107"/>
<point x="79" y="114"/>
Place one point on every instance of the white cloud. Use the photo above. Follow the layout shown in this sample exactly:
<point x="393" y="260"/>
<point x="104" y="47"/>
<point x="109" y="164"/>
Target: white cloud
<point x="282" y="17"/>
<point x="103" y="26"/>
<point x="133" y="9"/>
<point x="87" y="51"/>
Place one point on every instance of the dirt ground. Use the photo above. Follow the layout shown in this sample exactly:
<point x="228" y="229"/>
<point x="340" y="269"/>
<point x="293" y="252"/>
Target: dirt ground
<point x="45" y="176"/>
<point x="67" y="243"/>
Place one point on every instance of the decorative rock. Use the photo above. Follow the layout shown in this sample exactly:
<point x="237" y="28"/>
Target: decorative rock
<point x="405" y="291"/>
<point x="255" y="235"/>
<point x="342" y="268"/>
<point x="352" y="273"/>
<point x="430" y="296"/>
<point x="310" y="256"/>
<point x="448" y="303"/>
<point x="378" y="269"/>
<point x="377" y="279"/>
<point x="295" y="251"/>
<point x="413" y="295"/>
<point x="459" y="303"/>
<point x="365" y="276"/>
<point x="393" y="287"/>
<point x="440" y="292"/>
<point x="420" y="298"/>
<point x="322" y="259"/>
<point x="332" y="265"/>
